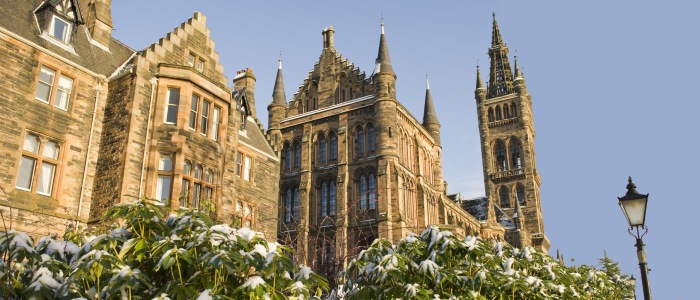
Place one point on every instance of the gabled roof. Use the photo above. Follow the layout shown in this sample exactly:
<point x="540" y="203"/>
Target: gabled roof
<point x="254" y="135"/>
<point x="17" y="17"/>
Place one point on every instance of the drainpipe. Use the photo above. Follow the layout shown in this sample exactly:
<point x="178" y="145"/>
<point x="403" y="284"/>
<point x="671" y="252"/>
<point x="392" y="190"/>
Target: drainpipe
<point x="154" y="82"/>
<point x="98" y="88"/>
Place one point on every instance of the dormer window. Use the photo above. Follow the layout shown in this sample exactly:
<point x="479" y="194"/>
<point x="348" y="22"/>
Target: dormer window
<point x="60" y="29"/>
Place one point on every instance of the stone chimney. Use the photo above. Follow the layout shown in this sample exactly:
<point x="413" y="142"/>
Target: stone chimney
<point x="246" y="79"/>
<point x="98" y="19"/>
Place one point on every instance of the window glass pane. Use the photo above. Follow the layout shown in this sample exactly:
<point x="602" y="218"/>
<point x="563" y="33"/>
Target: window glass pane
<point x="360" y="141"/>
<point x="246" y="223"/>
<point x="173" y="103"/>
<point x="208" y="192"/>
<point x="324" y="199"/>
<point x="248" y="166"/>
<point x="163" y="188"/>
<point x="331" y="199"/>
<point x="198" y="172"/>
<point x="296" y="204"/>
<point x="25" y="173"/>
<point x="297" y="155"/>
<point x="194" y="109"/>
<point x="288" y="206"/>
<point x="372" y="192"/>
<point x="363" y="192"/>
<point x="31" y="143"/>
<point x="239" y="162"/>
<point x="196" y="195"/>
<point x="43" y="89"/>
<point x="246" y="210"/>
<point x="200" y="66"/>
<point x="190" y="60"/>
<point x="60" y="29"/>
<point x="239" y="207"/>
<point x="334" y="147"/>
<point x="165" y="164"/>
<point x="322" y="149"/>
<point x="203" y="126"/>
<point x="209" y="176"/>
<point x="63" y="93"/>
<point x="370" y="138"/>
<point x="50" y="150"/>
<point x="187" y="168"/>
<point x="215" y="124"/>
<point x="287" y="156"/>
<point x="185" y="193"/>
<point x="45" y="183"/>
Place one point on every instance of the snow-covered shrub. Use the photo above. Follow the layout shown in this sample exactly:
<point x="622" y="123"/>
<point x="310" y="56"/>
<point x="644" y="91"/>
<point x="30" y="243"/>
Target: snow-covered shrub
<point x="438" y="265"/>
<point x="183" y="256"/>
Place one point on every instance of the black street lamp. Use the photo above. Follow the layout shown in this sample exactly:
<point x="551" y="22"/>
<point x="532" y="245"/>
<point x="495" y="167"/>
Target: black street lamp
<point x="634" y="206"/>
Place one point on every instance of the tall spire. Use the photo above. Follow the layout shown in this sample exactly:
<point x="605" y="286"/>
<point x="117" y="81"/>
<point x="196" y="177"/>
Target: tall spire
<point x="278" y="96"/>
<point x="501" y="77"/>
<point x="429" y="115"/>
<point x="383" y="62"/>
<point x="496" y="38"/>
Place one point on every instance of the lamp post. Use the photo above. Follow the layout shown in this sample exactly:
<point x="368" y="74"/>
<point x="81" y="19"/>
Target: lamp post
<point x="634" y="206"/>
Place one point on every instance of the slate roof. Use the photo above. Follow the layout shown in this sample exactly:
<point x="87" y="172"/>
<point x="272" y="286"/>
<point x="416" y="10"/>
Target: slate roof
<point x="18" y="17"/>
<point x="255" y="137"/>
<point x="476" y="207"/>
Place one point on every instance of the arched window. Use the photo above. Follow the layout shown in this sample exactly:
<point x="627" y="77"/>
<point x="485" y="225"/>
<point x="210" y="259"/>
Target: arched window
<point x="491" y="116"/>
<point x="520" y="192"/>
<point x="499" y="116"/>
<point x="506" y="111"/>
<point x="297" y="154"/>
<point x="327" y="198"/>
<point x="500" y="152"/>
<point x="370" y="138"/>
<point x="505" y="201"/>
<point x="333" y="146"/>
<point x="368" y="191"/>
<point x="515" y="160"/>
<point x="514" y="112"/>
<point x="322" y="148"/>
<point x="360" y="141"/>
<point x="287" y="156"/>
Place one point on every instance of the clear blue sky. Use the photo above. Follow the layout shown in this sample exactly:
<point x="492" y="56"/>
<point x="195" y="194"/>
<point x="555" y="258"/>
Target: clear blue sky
<point x="612" y="82"/>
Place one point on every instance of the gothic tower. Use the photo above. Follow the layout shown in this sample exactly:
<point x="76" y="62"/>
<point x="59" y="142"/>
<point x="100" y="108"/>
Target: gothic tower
<point x="507" y="133"/>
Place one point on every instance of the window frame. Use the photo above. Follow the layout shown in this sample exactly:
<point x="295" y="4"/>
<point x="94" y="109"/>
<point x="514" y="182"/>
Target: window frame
<point x="244" y="212"/>
<point x="67" y="30"/>
<point x="170" y="105"/>
<point x="200" y="186"/>
<point x="54" y="87"/>
<point x="39" y="159"/>
<point x="163" y="173"/>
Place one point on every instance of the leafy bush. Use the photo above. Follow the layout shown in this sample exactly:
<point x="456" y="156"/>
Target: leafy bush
<point x="437" y="265"/>
<point x="183" y="256"/>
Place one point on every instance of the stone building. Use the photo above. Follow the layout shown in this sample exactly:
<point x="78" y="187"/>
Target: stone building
<point x="89" y="122"/>
<point x="356" y="164"/>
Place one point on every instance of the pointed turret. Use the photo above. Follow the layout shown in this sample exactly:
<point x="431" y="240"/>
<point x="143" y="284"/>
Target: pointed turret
<point x="277" y="108"/>
<point x="383" y="75"/>
<point x="501" y="77"/>
<point x="430" y="120"/>
<point x="519" y="80"/>
<point x="278" y="96"/>
<point x="479" y="82"/>
<point x="383" y="62"/>
<point x="518" y="216"/>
